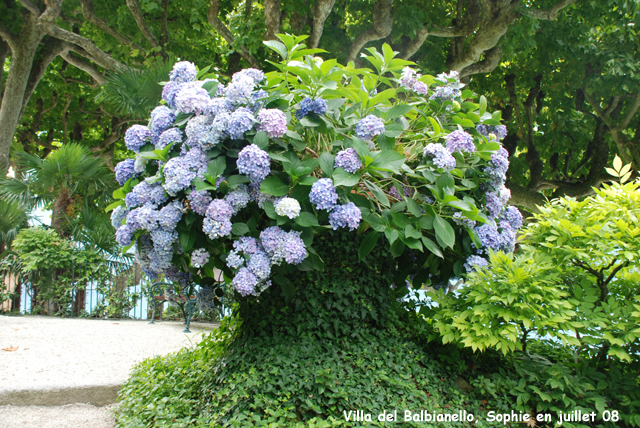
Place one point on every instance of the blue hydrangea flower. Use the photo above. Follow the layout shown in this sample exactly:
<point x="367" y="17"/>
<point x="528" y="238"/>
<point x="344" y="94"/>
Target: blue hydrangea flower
<point x="163" y="240"/>
<point x="216" y="229"/>
<point x="238" y="199"/>
<point x="441" y="156"/>
<point x="258" y="100"/>
<point x="136" y="137"/>
<point x="409" y="80"/>
<point x="199" y="201"/>
<point x="273" y="122"/>
<point x="161" y="118"/>
<point x="170" y="215"/>
<point x="254" y="163"/>
<point x="475" y="262"/>
<point x="513" y="216"/>
<point x="258" y="197"/>
<point x="369" y="127"/>
<point x="192" y="99"/>
<point x="170" y="136"/>
<point x="199" y="257"/>
<point x="288" y="207"/>
<point x="255" y="74"/>
<point x="348" y="160"/>
<point x="125" y="170"/>
<point x="281" y="245"/>
<point x="143" y="194"/>
<point x="244" y="282"/>
<point x="147" y="218"/>
<point x="323" y="195"/>
<point x="460" y="141"/>
<point x="348" y="215"/>
<point x="497" y="168"/>
<point x="200" y="133"/>
<point x="177" y="175"/>
<point x="311" y="107"/>
<point x="463" y="221"/>
<point x="489" y="236"/>
<point x="219" y="210"/>
<point x="445" y="93"/>
<point x="241" y="121"/>
<point x="219" y="105"/>
<point x="124" y="235"/>
<point x="183" y="71"/>
<point x="247" y="245"/>
<point x="500" y="131"/>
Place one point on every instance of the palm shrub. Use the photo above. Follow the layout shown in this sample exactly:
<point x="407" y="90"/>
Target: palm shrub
<point x="321" y="192"/>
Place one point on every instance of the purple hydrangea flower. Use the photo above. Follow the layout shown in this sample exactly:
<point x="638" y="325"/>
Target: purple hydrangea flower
<point x="169" y="92"/>
<point x="259" y="265"/>
<point x="497" y="168"/>
<point x="200" y="133"/>
<point x="161" y="118"/>
<point x="348" y="160"/>
<point x="247" y="245"/>
<point x="219" y="105"/>
<point x="441" y="156"/>
<point x="409" y="80"/>
<point x="124" y="235"/>
<point x="513" y="216"/>
<point x="163" y="240"/>
<point x="323" y="195"/>
<point x="183" y="71"/>
<point x="219" y="210"/>
<point x="273" y="122"/>
<point x="240" y="89"/>
<point x="489" y="236"/>
<point x="255" y="74"/>
<point x="281" y="245"/>
<point x="147" y="218"/>
<point x="348" y="215"/>
<point x="199" y="201"/>
<point x="199" y="257"/>
<point x="311" y="107"/>
<point x="235" y="260"/>
<point x="170" y="136"/>
<point x="241" y="121"/>
<point x="460" y="141"/>
<point x="118" y="215"/>
<point x="369" y="127"/>
<point x="192" y="99"/>
<point x="288" y="207"/>
<point x="500" y="131"/>
<point x="244" y="282"/>
<point x="254" y="163"/>
<point x="445" y="93"/>
<point x="125" y="170"/>
<point x="143" y="194"/>
<point x="177" y="175"/>
<point x="475" y="262"/>
<point x="136" y="137"/>
<point x="216" y="229"/>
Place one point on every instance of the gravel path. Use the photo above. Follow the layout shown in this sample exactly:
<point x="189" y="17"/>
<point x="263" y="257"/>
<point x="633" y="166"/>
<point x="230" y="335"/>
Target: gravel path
<point x="49" y="361"/>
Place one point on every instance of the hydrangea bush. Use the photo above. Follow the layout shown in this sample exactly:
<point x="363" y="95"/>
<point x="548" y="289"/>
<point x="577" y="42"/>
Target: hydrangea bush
<point x="241" y="176"/>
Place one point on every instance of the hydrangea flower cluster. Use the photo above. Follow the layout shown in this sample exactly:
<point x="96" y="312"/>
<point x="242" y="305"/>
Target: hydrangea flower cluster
<point x="369" y="127"/>
<point x="288" y="207"/>
<point x="441" y="156"/>
<point x="125" y="170"/>
<point x="348" y="160"/>
<point x="323" y="195"/>
<point x="254" y="163"/>
<point x="409" y="80"/>
<point x="460" y="141"/>
<point x="348" y="215"/>
<point x="273" y="122"/>
<point x="136" y="137"/>
<point x="500" y="131"/>
<point x="199" y="258"/>
<point x="316" y="107"/>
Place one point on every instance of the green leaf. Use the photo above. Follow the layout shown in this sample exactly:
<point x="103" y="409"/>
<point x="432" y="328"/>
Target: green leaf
<point x="261" y="139"/>
<point x="368" y="243"/>
<point x="398" y="110"/>
<point x="343" y="178"/>
<point x="274" y="186"/>
<point x="236" y="180"/>
<point x="377" y="193"/>
<point x="309" y="123"/>
<point x="280" y="48"/>
<point x="397" y="248"/>
<point x="432" y="246"/>
<point x="187" y="239"/>
<point x="216" y="167"/>
<point x="326" y="163"/>
<point x="239" y="229"/>
<point x="306" y="219"/>
<point x="113" y="205"/>
<point x="269" y="210"/>
<point x="483" y="105"/>
<point x="389" y="161"/>
<point x="118" y="194"/>
<point x="444" y="231"/>
<point x="287" y="287"/>
<point x="308" y="181"/>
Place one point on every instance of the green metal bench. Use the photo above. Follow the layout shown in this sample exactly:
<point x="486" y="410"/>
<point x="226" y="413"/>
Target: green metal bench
<point x="186" y="302"/>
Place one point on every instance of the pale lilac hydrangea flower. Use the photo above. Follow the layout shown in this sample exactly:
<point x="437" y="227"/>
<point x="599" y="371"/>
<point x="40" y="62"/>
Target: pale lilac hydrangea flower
<point x="143" y="194"/>
<point x="170" y="215"/>
<point x="475" y="262"/>
<point x="273" y="122"/>
<point x="169" y="92"/>
<point x="259" y="265"/>
<point x="125" y="170"/>
<point x="238" y="198"/>
<point x="235" y="260"/>
<point x="441" y="156"/>
<point x="241" y="121"/>
<point x="199" y="257"/>
<point x="348" y="160"/>
<point x="170" y="136"/>
<point x="219" y="210"/>
<point x="199" y="201"/>
<point x="244" y="282"/>
<point x="369" y="127"/>
<point x="255" y="74"/>
<point x="513" y="216"/>
<point x="177" y="175"/>
<point x="240" y="89"/>
<point x="348" y="215"/>
<point x="124" y="235"/>
<point x="283" y="246"/>
<point x="216" y="229"/>
<point x="183" y="71"/>
<point x="192" y="99"/>
<point x="323" y="195"/>
<point x="118" y="215"/>
<point x="460" y="141"/>
<point x="463" y="221"/>
<point x="161" y="118"/>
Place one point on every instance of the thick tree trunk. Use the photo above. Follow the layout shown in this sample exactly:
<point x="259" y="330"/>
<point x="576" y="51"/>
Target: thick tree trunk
<point x="23" y="52"/>
<point x="58" y="214"/>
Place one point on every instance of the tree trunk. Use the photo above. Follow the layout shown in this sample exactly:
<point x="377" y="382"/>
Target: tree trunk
<point x="22" y="56"/>
<point x="58" y="214"/>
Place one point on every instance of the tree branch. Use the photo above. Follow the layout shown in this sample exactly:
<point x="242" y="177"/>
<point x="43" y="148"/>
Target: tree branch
<point x="271" y="18"/>
<point x="164" y="30"/>
<point x="4" y="52"/>
<point x="85" y="66"/>
<point x="30" y="6"/>
<point x="52" y="48"/>
<point x="525" y="197"/>
<point x="382" y="24"/>
<point x="134" y="7"/>
<point x="8" y="36"/>
<point x="218" y="25"/>
<point x="488" y="64"/>
<point x="46" y="23"/>
<point x="550" y="14"/>
<point x="536" y="166"/>
<point x="320" y="12"/>
<point x="90" y="15"/>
